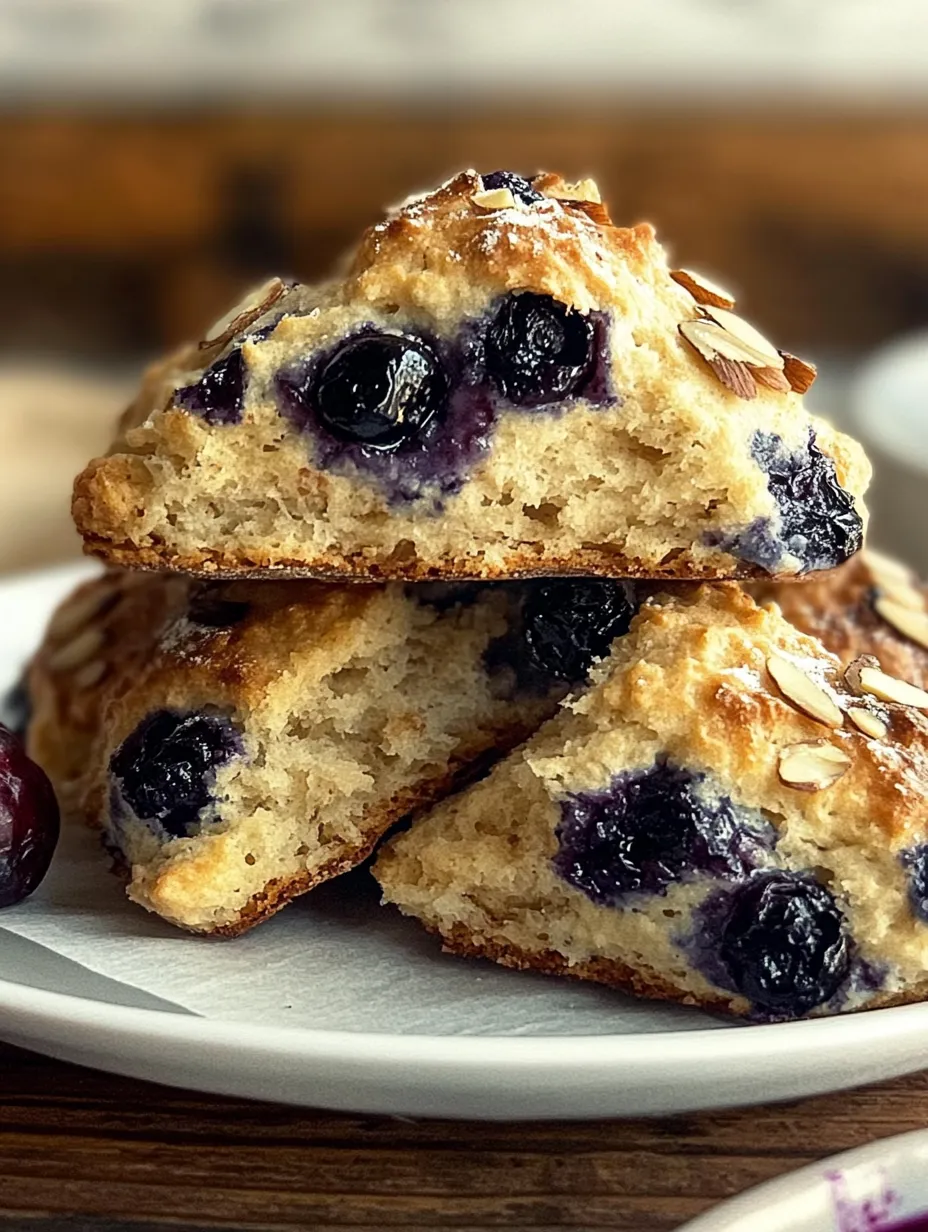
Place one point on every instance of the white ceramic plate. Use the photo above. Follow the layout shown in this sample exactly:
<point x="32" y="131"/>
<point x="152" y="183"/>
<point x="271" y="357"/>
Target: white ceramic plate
<point x="608" y="1055"/>
<point x="882" y="1187"/>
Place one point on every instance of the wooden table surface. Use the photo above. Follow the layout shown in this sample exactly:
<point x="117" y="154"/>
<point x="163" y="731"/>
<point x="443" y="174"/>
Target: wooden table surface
<point x="81" y="1150"/>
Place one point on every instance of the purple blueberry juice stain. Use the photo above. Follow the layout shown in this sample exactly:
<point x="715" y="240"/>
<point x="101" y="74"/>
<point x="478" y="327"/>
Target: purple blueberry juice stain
<point x="420" y="423"/>
<point x="780" y="940"/>
<point x="876" y="1213"/>
<point x="817" y="522"/>
<point x="165" y="770"/>
<point x="219" y="395"/>
<point x="651" y="828"/>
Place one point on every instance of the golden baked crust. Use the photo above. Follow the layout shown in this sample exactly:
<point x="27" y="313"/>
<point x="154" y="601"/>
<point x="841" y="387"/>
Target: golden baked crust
<point x="689" y="687"/>
<point x="654" y="475"/>
<point x="352" y="704"/>
<point x="839" y="610"/>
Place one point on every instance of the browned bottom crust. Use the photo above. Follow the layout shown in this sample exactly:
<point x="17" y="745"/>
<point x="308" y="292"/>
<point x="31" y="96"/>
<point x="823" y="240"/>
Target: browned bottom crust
<point x="639" y="982"/>
<point x="461" y="770"/>
<point x="366" y="567"/>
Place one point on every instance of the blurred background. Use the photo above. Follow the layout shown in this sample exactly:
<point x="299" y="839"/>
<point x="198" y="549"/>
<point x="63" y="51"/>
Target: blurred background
<point x="158" y="156"/>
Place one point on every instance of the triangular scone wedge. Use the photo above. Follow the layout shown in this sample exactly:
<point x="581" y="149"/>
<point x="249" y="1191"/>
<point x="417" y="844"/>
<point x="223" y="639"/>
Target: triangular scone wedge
<point x="726" y="818"/>
<point x="239" y="743"/>
<point x="503" y="383"/>
<point x="873" y="605"/>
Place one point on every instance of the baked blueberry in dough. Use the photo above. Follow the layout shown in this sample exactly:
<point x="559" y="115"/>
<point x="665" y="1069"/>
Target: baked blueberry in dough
<point x="503" y="383"/>
<point x="728" y="816"/>
<point x="240" y="742"/>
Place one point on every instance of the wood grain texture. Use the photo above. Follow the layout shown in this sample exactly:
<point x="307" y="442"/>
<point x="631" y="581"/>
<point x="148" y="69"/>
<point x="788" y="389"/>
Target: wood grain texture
<point x="132" y="231"/>
<point x="92" y="1151"/>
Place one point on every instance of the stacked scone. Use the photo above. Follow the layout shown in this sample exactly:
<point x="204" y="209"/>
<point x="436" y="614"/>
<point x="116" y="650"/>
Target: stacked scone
<point x="488" y="497"/>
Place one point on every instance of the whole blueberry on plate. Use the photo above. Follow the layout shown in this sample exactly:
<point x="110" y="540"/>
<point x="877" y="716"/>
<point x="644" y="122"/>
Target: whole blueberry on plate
<point x="784" y="943"/>
<point x="29" y="821"/>
<point x="378" y="390"/>
<point x="538" y="350"/>
<point x="166" y="768"/>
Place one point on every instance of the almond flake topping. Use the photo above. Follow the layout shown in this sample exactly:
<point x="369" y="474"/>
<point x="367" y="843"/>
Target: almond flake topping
<point x="749" y="337"/>
<point x="911" y="624"/>
<point x="903" y="594"/>
<point x="494" y="199"/>
<point x="78" y="651"/>
<point x="812" y="766"/>
<point x="254" y="305"/>
<point x="799" y="374"/>
<point x="890" y="689"/>
<point x="803" y="692"/>
<point x="869" y="723"/>
<point x="886" y="569"/>
<point x="583" y="190"/>
<point x="702" y="289"/>
<point x="855" y="667"/>
<point x="78" y="613"/>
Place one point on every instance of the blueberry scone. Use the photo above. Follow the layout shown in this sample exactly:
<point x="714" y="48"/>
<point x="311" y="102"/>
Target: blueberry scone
<point x="727" y="817"/>
<point x="240" y="742"/>
<point x="502" y="383"/>
<point x="873" y="605"/>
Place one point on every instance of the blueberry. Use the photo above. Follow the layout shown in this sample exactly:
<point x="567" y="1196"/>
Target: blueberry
<point x="784" y="944"/>
<point x="16" y="707"/>
<point x="818" y="521"/>
<point x="214" y="612"/>
<point x="166" y="768"/>
<point x="379" y="390"/>
<point x="916" y="865"/>
<point x="649" y="828"/>
<point x="518" y="185"/>
<point x="568" y="624"/>
<point x="29" y="821"/>
<point x="538" y="350"/>
<point x="219" y="395"/>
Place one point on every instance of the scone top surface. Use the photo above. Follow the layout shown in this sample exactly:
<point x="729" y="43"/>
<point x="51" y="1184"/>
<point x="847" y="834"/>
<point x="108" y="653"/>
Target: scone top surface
<point x="727" y="817"/>
<point x="503" y="382"/>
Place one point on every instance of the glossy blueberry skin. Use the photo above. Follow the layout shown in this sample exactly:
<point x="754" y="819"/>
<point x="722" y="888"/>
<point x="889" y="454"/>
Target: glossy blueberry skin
<point x="818" y="522"/>
<point x="29" y="821"/>
<point x="165" y="769"/>
<point x="377" y="390"/>
<point x="517" y="184"/>
<point x="784" y="943"/>
<point x="651" y="828"/>
<point x="567" y="624"/>
<point x="219" y="395"/>
<point x="538" y="350"/>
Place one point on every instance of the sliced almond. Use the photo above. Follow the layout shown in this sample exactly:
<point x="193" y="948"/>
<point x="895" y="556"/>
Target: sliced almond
<point x="911" y="624"/>
<point x="890" y="689"/>
<point x="494" y="199"/>
<point x="254" y="305"/>
<point x="77" y="613"/>
<point x="869" y="723"/>
<point x="702" y="289"/>
<point x="739" y="378"/>
<point x="594" y="210"/>
<point x="734" y="374"/>
<point x="90" y="674"/>
<point x="855" y="667"/>
<point x="76" y="652"/>
<point x="903" y="594"/>
<point x="711" y="340"/>
<point x="799" y="374"/>
<point x="885" y="569"/>
<point x="772" y="379"/>
<point x="748" y="336"/>
<point x="812" y="766"/>
<point x="583" y="190"/>
<point x="803" y="692"/>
